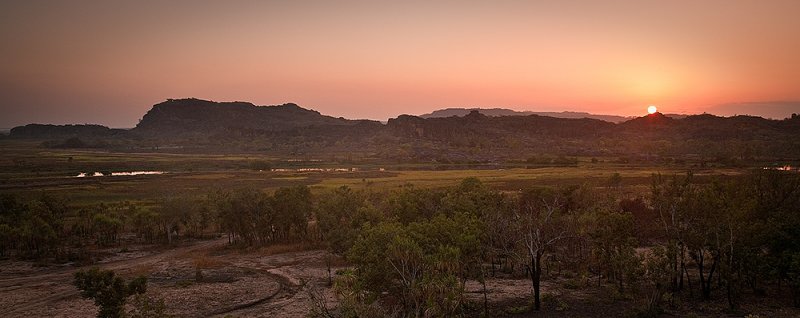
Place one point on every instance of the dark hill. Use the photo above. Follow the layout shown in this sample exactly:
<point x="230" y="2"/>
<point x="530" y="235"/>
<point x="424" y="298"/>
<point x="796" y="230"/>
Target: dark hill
<point x="710" y="127"/>
<point x="40" y="131"/>
<point x="476" y="123"/>
<point x="178" y="116"/>
<point x="199" y="125"/>
<point x="499" y="112"/>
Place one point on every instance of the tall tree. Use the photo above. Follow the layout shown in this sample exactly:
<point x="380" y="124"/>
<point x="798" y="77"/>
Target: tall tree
<point x="542" y="223"/>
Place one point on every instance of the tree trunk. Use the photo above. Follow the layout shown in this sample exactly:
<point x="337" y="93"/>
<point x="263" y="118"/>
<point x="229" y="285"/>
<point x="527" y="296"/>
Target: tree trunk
<point x="701" y="273"/>
<point x="485" y="297"/>
<point x="536" y="276"/>
<point x="682" y="251"/>
<point x="707" y="287"/>
<point x="328" y="263"/>
<point x="169" y="234"/>
<point x="676" y="275"/>
<point x="705" y="282"/>
<point x="688" y="281"/>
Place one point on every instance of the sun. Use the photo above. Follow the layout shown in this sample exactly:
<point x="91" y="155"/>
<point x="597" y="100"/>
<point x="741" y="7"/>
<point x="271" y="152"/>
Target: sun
<point x="652" y="109"/>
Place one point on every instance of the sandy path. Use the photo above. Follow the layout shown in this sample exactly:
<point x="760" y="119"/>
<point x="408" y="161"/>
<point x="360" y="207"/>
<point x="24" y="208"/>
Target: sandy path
<point x="61" y="280"/>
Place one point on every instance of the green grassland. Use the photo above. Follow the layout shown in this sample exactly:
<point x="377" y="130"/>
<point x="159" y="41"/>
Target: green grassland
<point x="29" y="170"/>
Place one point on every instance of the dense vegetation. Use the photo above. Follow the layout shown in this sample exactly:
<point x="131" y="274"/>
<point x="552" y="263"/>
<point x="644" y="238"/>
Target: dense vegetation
<point x="412" y="250"/>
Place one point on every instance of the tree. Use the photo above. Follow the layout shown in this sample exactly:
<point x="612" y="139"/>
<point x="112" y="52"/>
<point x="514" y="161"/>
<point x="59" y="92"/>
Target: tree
<point x="340" y="214"/>
<point x="106" y="227"/>
<point x="177" y="210"/>
<point x="409" y="204"/>
<point x="614" y="246"/>
<point x="247" y="216"/>
<point x="703" y="235"/>
<point x="336" y="218"/>
<point x="420" y="264"/>
<point x="542" y="223"/>
<point x="657" y="274"/>
<point x="292" y="207"/>
<point x="668" y="200"/>
<point x="776" y="199"/>
<point x="109" y="291"/>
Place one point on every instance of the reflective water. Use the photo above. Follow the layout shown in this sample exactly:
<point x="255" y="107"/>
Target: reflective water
<point x="114" y="174"/>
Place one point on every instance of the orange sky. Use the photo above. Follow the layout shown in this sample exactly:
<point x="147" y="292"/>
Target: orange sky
<point x="108" y="61"/>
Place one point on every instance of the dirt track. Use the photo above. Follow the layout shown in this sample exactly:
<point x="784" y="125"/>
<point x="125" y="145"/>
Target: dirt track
<point x="235" y="284"/>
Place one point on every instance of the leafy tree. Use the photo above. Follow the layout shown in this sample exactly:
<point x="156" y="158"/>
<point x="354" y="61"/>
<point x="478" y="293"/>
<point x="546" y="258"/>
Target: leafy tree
<point x="106" y="226"/>
<point x="668" y="198"/>
<point x="336" y="218"/>
<point x="409" y="204"/>
<point x="340" y="214"/>
<point x="247" y="216"/>
<point x="424" y="262"/>
<point x="109" y="291"/>
<point x="33" y="228"/>
<point x="614" y="246"/>
<point x="657" y="275"/>
<point x="175" y="209"/>
<point x="293" y="206"/>
<point x="145" y="224"/>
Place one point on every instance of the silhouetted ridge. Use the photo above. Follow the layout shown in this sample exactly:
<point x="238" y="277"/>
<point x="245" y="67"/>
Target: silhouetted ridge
<point x="177" y="116"/>
<point x="498" y="112"/>
<point x="201" y="125"/>
<point x="59" y="131"/>
<point x="655" y="120"/>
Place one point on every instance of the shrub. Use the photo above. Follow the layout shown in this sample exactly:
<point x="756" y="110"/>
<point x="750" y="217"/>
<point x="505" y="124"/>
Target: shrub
<point x="108" y="290"/>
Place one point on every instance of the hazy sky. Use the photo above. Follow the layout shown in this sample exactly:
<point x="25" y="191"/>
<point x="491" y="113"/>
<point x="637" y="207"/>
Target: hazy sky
<point x="109" y="61"/>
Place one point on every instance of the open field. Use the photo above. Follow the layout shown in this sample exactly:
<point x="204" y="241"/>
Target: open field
<point x="29" y="170"/>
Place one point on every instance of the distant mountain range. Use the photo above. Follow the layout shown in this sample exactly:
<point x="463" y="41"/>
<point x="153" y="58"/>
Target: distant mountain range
<point x="497" y="112"/>
<point x="450" y="135"/>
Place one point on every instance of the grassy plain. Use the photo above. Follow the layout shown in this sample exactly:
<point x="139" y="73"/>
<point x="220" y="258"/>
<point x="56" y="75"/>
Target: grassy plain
<point x="28" y="169"/>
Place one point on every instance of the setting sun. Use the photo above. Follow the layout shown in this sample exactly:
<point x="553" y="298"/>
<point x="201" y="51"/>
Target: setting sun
<point x="652" y="109"/>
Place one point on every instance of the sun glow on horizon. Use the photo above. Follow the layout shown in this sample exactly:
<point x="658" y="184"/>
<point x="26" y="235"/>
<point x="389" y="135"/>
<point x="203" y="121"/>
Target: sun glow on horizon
<point x="652" y="109"/>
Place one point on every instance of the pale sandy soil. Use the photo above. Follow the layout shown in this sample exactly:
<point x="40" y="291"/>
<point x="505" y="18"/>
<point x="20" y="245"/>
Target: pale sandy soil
<point x="229" y="282"/>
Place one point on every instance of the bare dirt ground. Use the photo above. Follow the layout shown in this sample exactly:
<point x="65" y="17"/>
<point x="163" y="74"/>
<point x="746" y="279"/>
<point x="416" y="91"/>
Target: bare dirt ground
<point x="201" y="279"/>
<point x="208" y="279"/>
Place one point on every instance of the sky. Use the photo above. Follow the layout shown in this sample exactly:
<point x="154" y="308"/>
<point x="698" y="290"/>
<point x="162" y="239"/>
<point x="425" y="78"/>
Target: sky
<point x="109" y="61"/>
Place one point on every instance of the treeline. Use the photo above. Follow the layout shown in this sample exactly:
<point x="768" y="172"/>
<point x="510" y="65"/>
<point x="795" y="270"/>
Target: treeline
<point x="48" y="229"/>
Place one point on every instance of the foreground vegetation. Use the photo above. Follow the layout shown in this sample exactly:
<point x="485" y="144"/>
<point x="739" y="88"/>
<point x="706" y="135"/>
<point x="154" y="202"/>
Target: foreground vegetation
<point x="412" y="250"/>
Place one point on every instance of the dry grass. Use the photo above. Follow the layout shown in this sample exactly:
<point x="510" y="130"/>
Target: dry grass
<point x="142" y="270"/>
<point x="204" y="261"/>
<point x="280" y="248"/>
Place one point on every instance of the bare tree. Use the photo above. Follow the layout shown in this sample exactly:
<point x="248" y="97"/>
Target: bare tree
<point x="542" y="224"/>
